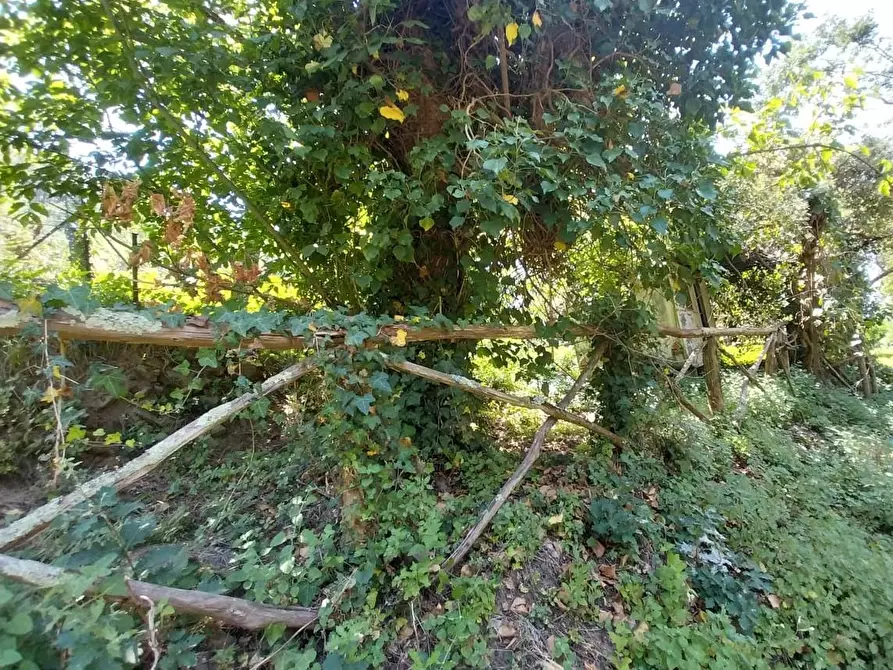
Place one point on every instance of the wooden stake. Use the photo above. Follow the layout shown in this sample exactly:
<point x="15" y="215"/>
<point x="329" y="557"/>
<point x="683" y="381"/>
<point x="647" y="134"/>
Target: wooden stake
<point x="36" y="520"/>
<point x="475" y="388"/>
<point x="225" y="609"/>
<point x="689" y="362"/>
<point x="533" y="453"/>
<point x="751" y="376"/>
<point x="711" y="351"/>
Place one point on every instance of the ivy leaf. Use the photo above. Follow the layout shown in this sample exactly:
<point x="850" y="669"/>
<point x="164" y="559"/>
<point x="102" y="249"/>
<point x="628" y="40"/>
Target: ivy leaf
<point x="363" y="402"/>
<point x="77" y="297"/>
<point x="380" y="382"/>
<point x="207" y="357"/>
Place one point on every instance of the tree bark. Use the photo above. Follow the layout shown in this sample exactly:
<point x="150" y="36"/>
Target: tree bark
<point x="475" y="388"/>
<point x="533" y="453"/>
<point x="225" y="609"/>
<point x="36" y="520"/>
<point x="711" y="350"/>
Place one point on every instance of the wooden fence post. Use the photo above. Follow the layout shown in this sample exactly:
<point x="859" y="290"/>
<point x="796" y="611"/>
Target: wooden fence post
<point x="711" y="350"/>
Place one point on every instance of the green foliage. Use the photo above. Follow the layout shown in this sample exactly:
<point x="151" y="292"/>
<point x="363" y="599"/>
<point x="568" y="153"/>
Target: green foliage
<point x="340" y="144"/>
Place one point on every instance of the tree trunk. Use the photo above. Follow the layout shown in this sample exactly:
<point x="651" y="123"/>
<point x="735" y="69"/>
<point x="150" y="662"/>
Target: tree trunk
<point x="711" y="350"/>
<point x="810" y="303"/>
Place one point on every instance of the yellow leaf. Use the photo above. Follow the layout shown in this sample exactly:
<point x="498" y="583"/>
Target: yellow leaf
<point x="560" y="246"/>
<point x="399" y="338"/>
<point x="511" y="33"/>
<point x="57" y="373"/>
<point x="620" y="91"/>
<point x="510" y="199"/>
<point x="51" y="394"/>
<point x="399" y="317"/>
<point x="285" y="204"/>
<point x="556" y="519"/>
<point x="537" y="20"/>
<point x="112" y="439"/>
<point x="402" y="95"/>
<point x="30" y="306"/>
<point x="392" y="112"/>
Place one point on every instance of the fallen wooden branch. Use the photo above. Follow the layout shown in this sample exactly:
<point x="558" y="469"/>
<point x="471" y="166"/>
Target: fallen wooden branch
<point x="742" y="401"/>
<point x="225" y="609"/>
<point x="533" y="453"/>
<point x="139" y="467"/>
<point x="107" y="325"/>
<point x="475" y="388"/>
<point x="682" y="400"/>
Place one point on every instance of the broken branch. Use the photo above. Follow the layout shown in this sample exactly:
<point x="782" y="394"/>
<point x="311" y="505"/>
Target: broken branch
<point x="533" y="453"/>
<point x="234" y="612"/>
<point x="478" y="389"/>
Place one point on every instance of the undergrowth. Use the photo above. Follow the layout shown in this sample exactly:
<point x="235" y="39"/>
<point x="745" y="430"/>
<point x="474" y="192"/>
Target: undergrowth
<point x="764" y="545"/>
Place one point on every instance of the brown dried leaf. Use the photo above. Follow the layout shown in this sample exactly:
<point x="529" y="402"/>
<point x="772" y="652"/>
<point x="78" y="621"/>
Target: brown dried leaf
<point x="173" y="233"/>
<point x="608" y="571"/>
<point x="159" y="206"/>
<point x="185" y="212"/>
<point x="774" y="600"/>
<point x="507" y="630"/>
<point x="109" y="201"/>
<point x="520" y="606"/>
<point x="675" y="89"/>
<point x="599" y="549"/>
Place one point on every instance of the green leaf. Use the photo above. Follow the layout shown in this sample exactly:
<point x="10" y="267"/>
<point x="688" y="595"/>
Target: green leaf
<point x="427" y="223"/>
<point x="19" y="624"/>
<point x="596" y="159"/>
<point x="78" y="297"/>
<point x="660" y="225"/>
<point x="380" y="382"/>
<point x="207" y="357"/>
<point x="706" y="190"/>
<point x="9" y="657"/>
<point x="495" y="165"/>
<point x="665" y="193"/>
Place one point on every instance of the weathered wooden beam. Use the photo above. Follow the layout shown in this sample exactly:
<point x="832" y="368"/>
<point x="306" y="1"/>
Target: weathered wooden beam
<point x="225" y="609"/>
<point x="533" y="453"/>
<point x="478" y="389"/>
<point x="139" y="467"/>
<point x="107" y="325"/>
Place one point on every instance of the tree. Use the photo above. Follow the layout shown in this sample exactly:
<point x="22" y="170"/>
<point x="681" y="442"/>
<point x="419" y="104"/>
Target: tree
<point x="811" y="197"/>
<point x="388" y="154"/>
